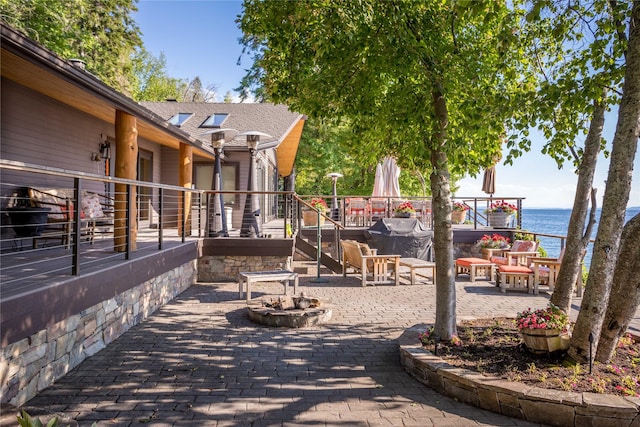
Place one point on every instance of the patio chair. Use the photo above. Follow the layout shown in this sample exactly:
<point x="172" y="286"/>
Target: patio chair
<point x="421" y="210"/>
<point x="546" y="270"/>
<point x="377" y="209"/>
<point x="517" y="254"/>
<point x="356" y="211"/>
<point x="373" y="268"/>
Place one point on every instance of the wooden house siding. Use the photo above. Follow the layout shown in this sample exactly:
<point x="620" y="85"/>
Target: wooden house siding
<point x="37" y="129"/>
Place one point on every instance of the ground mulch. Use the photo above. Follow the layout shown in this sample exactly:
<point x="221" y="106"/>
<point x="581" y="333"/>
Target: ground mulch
<point x="494" y="347"/>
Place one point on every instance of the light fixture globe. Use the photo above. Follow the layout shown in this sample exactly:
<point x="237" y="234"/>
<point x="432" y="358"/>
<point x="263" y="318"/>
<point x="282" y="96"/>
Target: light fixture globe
<point x="253" y="138"/>
<point x="218" y="136"/>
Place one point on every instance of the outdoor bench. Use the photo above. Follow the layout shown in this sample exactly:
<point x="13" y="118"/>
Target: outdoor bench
<point x="283" y="276"/>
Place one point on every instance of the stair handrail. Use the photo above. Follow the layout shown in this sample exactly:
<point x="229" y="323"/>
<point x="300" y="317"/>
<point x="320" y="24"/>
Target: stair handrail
<point x="335" y="223"/>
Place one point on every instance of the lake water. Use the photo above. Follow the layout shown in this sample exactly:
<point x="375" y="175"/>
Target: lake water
<point x="556" y="221"/>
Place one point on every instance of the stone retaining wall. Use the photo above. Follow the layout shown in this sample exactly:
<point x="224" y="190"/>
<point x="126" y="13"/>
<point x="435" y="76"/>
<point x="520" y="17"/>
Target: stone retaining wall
<point x="34" y="363"/>
<point x="212" y="268"/>
<point x="513" y="399"/>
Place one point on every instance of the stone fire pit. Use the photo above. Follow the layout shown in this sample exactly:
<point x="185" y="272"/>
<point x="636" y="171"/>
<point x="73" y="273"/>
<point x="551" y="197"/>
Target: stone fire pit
<point x="289" y="312"/>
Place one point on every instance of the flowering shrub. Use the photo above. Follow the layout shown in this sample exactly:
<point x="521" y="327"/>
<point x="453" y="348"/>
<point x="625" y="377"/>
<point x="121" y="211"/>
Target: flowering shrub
<point x="405" y="207"/>
<point x="551" y="317"/>
<point x="625" y="341"/>
<point x="460" y="207"/>
<point x="319" y="204"/>
<point x="495" y="241"/>
<point x="427" y="337"/>
<point x="502" y="207"/>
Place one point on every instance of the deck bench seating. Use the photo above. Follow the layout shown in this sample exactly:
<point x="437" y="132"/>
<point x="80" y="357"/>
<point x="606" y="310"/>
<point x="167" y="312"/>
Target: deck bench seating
<point x="95" y="211"/>
<point x="250" y="277"/>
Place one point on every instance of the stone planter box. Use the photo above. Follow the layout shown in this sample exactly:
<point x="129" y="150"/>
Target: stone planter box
<point x="499" y="219"/>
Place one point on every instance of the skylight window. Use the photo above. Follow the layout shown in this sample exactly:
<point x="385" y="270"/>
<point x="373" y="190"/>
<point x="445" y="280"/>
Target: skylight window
<point x="214" y="121"/>
<point x="180" y="118"/>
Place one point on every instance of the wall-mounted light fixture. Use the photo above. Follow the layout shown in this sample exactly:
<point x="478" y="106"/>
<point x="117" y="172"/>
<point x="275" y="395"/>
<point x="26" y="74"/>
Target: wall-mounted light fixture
<point x="105" y="147"/>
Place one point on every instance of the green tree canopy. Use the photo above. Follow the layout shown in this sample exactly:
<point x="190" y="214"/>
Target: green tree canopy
<point x="102" y="33"/>
<point x="150" y="79"/>
<point x="436" y="84"/>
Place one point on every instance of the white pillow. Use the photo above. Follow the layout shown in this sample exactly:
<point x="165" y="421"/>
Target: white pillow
<point x="91" y="207"/>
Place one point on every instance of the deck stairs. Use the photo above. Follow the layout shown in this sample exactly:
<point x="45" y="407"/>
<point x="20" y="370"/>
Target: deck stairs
<point x="311" y="250"/>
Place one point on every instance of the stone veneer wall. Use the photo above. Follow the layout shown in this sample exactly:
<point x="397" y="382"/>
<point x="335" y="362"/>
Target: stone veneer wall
<point x="34" y="363"/>
<point x="514" y="399"/>
<point x="466" y="250"/>
<point x="213" y="268"/>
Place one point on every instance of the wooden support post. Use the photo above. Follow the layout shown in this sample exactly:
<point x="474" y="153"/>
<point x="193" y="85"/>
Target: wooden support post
<point x="126" y="167"/>
<point x="186" y="179"/>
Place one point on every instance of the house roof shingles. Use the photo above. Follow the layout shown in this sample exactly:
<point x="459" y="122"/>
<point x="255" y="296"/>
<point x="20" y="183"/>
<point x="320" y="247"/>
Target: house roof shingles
<point x="275" y="120"/>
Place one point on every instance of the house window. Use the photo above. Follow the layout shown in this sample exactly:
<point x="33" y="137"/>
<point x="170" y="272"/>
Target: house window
<point x="204" y="176"/>
<point x="214" y="121"/>
<point x="180" y="118"/>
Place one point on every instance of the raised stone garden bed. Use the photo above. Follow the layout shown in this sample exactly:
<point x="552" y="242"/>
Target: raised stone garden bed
<point x="534" y="404"/>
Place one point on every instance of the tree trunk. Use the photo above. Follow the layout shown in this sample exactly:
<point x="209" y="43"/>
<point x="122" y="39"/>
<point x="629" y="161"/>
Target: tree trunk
<point x="577" y="236"/>
<point x="185" y="177"/>
<point x="445" y="326"/>
<point x="126" y="167"/>
<point x="625" y="292"/>
<point x="616" y="196"/>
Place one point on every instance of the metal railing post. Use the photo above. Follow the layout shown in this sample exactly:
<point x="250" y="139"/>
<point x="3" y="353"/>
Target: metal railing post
<point x="160" y="219"/>
<point x="77" y="224"/>
<point x="319" y="279"/>
<point x="129" y="221"/>
<point x="184" y="215"/>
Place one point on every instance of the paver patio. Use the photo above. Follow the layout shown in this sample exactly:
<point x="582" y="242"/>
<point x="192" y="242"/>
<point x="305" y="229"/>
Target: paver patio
<point x="200" y="361"/>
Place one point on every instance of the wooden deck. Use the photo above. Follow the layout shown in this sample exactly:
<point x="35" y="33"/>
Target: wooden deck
<point x="25" y="270"/>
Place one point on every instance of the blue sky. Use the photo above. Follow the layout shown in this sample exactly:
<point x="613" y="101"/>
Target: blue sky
<point x="201" y="38"/>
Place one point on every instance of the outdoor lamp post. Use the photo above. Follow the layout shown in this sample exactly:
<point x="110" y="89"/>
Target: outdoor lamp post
<point x="216" y="216"/>
<point x="250" y="225"/>
<point x="335" y="214"/>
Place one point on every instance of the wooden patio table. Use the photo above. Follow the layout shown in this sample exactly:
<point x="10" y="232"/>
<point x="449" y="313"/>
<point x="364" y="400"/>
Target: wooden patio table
<point x="417" y="264"/>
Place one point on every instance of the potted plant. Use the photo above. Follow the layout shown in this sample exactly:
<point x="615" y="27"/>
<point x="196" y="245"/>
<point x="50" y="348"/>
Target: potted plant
<point x="544" y="330"/>
<point x="500" y="213"/>
<point x="310" y="216"/>
<point x="405" y="210"/>
<point x="459" y="213"/>
<point x="490" y="244"/>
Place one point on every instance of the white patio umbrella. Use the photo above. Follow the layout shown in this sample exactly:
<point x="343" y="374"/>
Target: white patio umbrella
<point x="391" y="173"/>
<point x="378" y="183"/>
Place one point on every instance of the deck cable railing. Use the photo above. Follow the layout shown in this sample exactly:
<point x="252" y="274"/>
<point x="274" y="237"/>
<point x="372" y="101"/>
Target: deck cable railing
<point x="92" y="221"/>
<point x="56" y="223"/>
